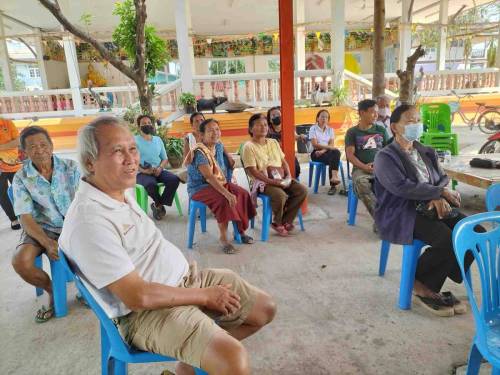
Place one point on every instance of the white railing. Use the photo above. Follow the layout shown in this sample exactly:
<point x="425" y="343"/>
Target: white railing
<point x="50" y="103"/>
<point x="442" y="82"/>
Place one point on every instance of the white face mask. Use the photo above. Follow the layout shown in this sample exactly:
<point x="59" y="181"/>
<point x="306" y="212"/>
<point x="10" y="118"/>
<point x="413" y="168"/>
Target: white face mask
<point x="384" y="112"/>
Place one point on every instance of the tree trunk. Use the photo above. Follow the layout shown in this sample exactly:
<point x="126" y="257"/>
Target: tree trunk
<point x="136" y="73"/>
<point x="378" y="88"/>
<point x="407" y="78"/>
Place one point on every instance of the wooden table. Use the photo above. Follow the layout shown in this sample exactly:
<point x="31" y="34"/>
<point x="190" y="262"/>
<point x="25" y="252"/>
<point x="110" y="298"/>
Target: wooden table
<point x="460" y="170"/>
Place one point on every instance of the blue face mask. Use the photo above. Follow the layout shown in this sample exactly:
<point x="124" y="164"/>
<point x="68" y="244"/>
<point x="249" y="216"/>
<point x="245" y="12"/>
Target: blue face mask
<point x="413" y="132"/>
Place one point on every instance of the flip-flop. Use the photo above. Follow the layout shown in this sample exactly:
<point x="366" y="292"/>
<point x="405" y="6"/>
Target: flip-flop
<point x="44" y="314"/>
<point x="458" y="306"/>
<point x="228" y="249"/>
<point x="247" y="239"/>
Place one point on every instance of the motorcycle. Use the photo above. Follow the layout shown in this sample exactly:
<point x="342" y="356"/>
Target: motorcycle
<point x="492" y="145"/>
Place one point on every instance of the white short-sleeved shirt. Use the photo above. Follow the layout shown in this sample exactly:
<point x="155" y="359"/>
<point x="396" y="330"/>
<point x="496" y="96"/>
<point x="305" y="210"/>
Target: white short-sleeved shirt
<point x="321" y="136"/>
<point x="105" y="240"/>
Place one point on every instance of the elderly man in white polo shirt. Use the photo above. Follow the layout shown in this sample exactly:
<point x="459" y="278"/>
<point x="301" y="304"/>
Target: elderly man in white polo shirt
<point x="141" y="280"/>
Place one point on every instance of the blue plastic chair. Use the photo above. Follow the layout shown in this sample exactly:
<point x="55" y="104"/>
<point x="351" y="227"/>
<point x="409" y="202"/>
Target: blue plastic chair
<point x="196" y="206"/>
<point x="493" y="197"/>
<point x="485" y="247"/>
<point x="318" y="169"/>
<point x="58" y="275"/>
<point x="408" y="268"/>
<point x="267" y="217"/>
<point x="115" y="353"/>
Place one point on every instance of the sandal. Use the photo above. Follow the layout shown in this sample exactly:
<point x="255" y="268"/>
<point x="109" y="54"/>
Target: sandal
<point x="246" y="239"/>
<point x="228" y="249"/>
<point x="14" y="225"/>
<point x="437" y="306"/>
<point x="280" y="229"/>
<point x="289" y="227"/>
<point x="459" y="307"/>
<point x="332" y="190"/>
<point x="44" y="314"/>
<point x="156" y="212"/>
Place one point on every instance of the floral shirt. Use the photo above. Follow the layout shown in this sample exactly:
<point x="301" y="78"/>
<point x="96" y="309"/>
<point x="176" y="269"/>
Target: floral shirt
<point x="47" y="202"/>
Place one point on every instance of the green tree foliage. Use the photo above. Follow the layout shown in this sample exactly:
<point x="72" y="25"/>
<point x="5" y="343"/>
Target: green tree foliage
<point x="124" y="37"/>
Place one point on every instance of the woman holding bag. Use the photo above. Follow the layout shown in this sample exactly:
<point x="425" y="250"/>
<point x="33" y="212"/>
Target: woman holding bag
<point x="266" y="166"/>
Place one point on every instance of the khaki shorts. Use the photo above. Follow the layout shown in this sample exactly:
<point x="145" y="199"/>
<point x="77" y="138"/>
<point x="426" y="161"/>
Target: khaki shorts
<point x="26" y="239"/>
<point x="183" y="332"/>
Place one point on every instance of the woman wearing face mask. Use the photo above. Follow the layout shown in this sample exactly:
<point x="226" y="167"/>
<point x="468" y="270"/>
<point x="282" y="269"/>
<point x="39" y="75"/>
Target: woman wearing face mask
<point x="323" y="139"/>
<point x="151" y="169"/>
<point x="274" y="121"/>
<point x="413" y="202"/>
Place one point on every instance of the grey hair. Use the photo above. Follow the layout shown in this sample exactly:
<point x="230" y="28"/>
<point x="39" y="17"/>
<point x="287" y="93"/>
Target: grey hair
<point x="385" y="97"/>
<point x="87" y="143"/>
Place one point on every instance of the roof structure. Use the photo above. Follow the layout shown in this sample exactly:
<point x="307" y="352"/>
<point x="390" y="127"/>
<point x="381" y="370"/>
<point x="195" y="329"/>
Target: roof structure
<point x="215" y="17"/>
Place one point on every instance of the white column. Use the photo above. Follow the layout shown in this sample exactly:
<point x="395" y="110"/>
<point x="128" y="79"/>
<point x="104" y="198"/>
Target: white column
<point x="73" y="73"/>
<point x="39" y="59"/>
<point x="4" y="58"/>
<point x="338" y="41"/>
<point x="184" y="44"/>
<point x="404" y="34"/>
<point x="300" y="42"/>
<point x="443" y="32"/>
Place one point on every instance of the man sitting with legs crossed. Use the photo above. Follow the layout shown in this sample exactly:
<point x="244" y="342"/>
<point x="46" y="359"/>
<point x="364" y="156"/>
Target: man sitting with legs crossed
<point x="141" y="280"/>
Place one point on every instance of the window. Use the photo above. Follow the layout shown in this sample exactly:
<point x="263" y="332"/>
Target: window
<point x="273" y="65"/>
<point x="216" y="67"/>
<point x="34" y="72"/>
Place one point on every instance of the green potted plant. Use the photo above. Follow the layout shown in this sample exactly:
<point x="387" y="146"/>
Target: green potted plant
<point x="339" y="96"/>
<point x="188" y="101"/>
<point x="173" y="145"/>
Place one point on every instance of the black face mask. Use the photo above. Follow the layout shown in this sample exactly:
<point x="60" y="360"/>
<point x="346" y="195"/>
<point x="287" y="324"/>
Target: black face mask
<point x="148" y="129"/>
<point x="276" y="120"/>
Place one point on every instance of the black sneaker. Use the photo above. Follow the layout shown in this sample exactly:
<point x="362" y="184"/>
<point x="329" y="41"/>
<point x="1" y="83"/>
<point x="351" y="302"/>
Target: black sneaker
<point x="156" y="212"/>
<point x="14" y="225"/>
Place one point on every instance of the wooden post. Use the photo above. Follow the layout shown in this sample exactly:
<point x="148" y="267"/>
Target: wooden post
<point x="287" y="80"/>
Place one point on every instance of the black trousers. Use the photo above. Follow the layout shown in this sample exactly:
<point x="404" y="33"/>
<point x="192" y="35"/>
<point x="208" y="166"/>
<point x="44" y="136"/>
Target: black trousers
<point x="330" y="158"/>
<point x="170" y="180"/>
<point x="297" y="169"/>
<point x="438" y="261"/>
<point x="5" y="177"/>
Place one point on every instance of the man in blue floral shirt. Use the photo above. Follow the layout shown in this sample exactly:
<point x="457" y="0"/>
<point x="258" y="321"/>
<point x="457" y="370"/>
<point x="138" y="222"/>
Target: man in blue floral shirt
<point x="43" y="190"/>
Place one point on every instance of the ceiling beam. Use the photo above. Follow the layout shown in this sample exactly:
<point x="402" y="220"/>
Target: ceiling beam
<point x="19" y="22"/>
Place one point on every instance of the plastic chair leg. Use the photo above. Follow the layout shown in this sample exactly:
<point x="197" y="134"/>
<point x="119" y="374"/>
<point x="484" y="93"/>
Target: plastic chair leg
<point x="178" y="204"/>
<point x="317" y="176"/>
<point x="311" y="173"/>
<point x="236" y="232"/>
<point x="352" y="205"/>
<point x="191" y="226"/>
<point x="301" y="222"/>
<point x="105" y="349"/>
<point x="39" y="264"/>
<point x="59" y="277"/>
<point x="474" y="362"/>
<point x="266" y="219"/>
<point x="119" y="367"/>
<point x="323" y="174"/>
<point x="408" y="268"/>
<point x="203" y="219"/>
<point x="384" y="255"/>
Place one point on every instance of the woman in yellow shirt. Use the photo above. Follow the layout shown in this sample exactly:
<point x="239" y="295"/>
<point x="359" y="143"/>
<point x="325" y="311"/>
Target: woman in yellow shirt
<point x="266" y="165"/>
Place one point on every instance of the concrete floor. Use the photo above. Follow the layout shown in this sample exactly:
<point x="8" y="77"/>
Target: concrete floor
<point x="335" y="314"/>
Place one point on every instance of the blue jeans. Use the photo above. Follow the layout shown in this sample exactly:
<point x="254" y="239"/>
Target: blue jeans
<point x="170" y="180"/>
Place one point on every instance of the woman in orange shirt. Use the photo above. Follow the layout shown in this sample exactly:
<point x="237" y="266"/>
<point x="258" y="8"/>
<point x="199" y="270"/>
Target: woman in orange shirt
<point x="9" y="165"/>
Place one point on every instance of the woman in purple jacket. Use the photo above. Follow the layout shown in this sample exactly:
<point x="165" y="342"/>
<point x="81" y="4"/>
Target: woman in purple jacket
<point x="413" y="202"/>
